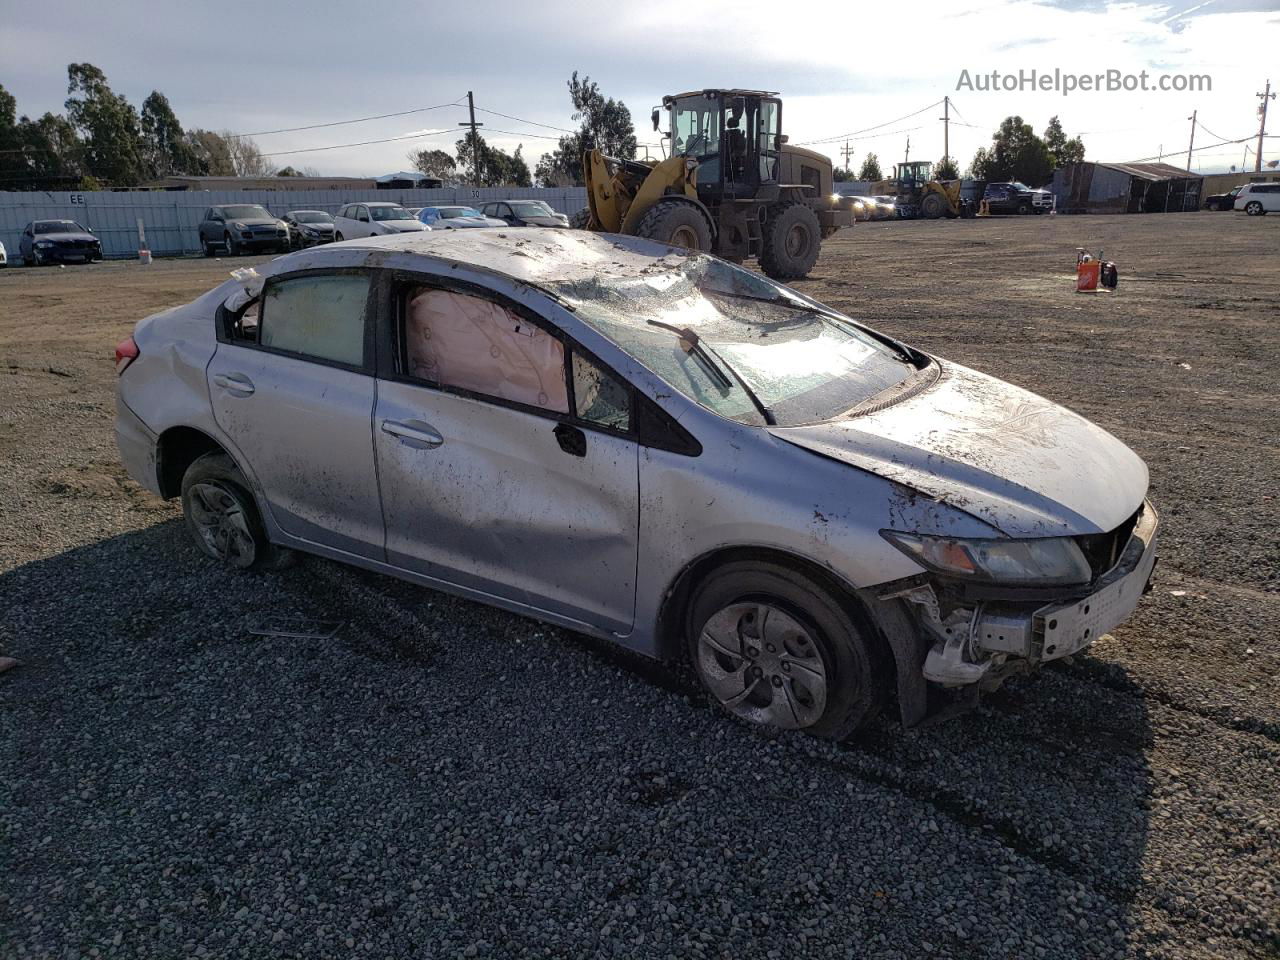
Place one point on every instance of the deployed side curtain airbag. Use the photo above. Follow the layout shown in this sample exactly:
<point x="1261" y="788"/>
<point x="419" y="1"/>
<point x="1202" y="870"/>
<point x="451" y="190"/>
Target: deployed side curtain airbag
<point x="462" y="341"/>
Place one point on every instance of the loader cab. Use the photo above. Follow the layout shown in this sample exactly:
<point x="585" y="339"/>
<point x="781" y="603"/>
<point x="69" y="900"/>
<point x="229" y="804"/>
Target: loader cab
<point x="735" y="135"/>
<point x="915" y="174"/>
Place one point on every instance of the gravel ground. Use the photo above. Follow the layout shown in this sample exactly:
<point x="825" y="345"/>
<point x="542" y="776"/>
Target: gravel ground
<point x="442" y="779"/>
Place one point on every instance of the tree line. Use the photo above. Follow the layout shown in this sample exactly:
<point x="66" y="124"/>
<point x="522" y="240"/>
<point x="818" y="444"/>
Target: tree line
<point x="1016" y="153"/>
<point x="102" y="140"/>
<point x="603" y="122"/>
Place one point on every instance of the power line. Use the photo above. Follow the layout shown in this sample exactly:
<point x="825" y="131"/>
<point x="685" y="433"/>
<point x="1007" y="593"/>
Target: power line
<point x="362" y="143"/>
<point x="877" y="126"/>
<point x="534" y="123"/>
<point x="340" y="123"/>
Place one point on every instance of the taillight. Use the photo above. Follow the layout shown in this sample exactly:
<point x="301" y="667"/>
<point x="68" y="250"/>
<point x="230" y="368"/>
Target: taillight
<point x="126" y="353"/>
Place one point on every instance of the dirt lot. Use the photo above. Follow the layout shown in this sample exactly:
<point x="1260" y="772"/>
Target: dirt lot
<point x="441" y="779"/>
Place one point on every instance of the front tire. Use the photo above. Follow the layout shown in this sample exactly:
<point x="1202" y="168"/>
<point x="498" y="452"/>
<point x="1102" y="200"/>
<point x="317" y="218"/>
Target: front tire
<point x="932" y="206"/>
<point x="223" y="518"/>
<point x="233" y="248"/>
<point x="677" y="223"/>
<point x="581" y="220"/>
<point x="1024" y="208"/>
<point x="777" y="649"/>
<point x="337" y="237"/>
<point x="791" y="240"/>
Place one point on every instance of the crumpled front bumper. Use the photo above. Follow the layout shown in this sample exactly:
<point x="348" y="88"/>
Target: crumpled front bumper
<point x="984" y="641"/>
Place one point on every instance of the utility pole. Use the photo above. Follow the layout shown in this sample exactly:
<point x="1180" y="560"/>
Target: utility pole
<point x="946" y="127"/>
<point x="472" y="137"/>
<point x="1262" y="127"/>
<point x="907" y="156"/>
<point x="1192" y="118"/>
<point x="848" y="152"/>
<point x="1161" y="160"/>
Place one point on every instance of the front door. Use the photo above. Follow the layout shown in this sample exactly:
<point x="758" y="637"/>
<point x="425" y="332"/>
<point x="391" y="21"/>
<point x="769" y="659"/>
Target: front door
<point x="292" y="391"/>
<point x="492" y="476"/>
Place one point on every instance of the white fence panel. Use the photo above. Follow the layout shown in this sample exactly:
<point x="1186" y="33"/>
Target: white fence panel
<point x="172" y="218"/>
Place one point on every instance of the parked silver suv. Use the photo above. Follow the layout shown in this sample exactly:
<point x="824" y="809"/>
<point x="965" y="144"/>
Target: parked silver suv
<point x="649" y="446"/>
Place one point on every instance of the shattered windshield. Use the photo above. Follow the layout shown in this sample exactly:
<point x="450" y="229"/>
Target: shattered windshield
<point x="738" y="344"/>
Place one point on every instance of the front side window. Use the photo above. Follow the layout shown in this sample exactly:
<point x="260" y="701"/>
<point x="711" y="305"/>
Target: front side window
<point x="470" y="343"/>
<point x="598" y="396"/>
<point x="319" y="316"/>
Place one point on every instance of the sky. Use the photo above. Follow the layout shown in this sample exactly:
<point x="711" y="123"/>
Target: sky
<point x="870" y="75"/>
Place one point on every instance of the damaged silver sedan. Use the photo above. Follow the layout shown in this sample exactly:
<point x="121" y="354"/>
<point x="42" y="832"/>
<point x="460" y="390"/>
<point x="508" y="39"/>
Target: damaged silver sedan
<point x="649" y="446"/>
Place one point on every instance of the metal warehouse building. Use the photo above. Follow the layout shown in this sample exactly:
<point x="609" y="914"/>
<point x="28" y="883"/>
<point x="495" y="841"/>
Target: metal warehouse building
<point x="1125" y="188"/>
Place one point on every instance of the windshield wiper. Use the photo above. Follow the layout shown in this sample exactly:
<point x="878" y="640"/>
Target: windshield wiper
<point x="692" y="344"/>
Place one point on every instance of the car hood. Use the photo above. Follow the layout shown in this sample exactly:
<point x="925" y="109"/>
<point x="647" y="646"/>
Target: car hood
<point x="545" y="221"/>
<point x="1028" y="467"/>
<point x="318" y="227"/>
<point x="256" y="221"/>
<point x="67" y="235"/>
<point x="404" y="226"/>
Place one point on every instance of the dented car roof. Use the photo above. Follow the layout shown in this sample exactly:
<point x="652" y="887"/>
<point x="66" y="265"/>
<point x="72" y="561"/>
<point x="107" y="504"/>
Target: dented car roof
<point x="532" y="256"/>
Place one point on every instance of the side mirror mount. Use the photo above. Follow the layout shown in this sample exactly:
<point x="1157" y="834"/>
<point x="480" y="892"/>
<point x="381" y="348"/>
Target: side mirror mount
<point x="655" y="116"/>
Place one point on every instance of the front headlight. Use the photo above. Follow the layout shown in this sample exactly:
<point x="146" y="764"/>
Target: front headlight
<point x="1050" y="561"/>
<point x="44" y="243"/>
<point x="238" y="225"/>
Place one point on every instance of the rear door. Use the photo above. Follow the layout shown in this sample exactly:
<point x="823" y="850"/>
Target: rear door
<point x="292" y="387"/>
<point x="506" y="457"/>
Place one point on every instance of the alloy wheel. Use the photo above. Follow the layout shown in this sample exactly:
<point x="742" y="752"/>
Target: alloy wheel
<point x="761" y="664"/>
<point x="221" y="521"/>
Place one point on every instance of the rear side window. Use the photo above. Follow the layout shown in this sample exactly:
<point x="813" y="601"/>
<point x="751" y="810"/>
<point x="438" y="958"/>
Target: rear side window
<point x="322" y="317"/>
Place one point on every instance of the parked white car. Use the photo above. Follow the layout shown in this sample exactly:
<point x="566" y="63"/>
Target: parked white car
<point x="374" y="219"/>
<point x="4" y="257"/>
<point x="1258" y="199"/>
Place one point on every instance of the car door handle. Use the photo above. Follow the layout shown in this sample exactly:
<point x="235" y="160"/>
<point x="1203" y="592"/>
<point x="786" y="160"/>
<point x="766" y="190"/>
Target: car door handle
<point x="414" y="433"/>
<point x="234" y="383"/>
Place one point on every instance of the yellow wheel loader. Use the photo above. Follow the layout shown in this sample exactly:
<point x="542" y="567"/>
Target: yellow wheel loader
<point x="918" y="195"/>
<point x="732" y="186"/>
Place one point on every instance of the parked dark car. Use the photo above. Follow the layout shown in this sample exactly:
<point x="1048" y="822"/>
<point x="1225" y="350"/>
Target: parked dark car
<point x="525" y="213"/>
<point x="1017" y="198"/>
<point x="308" y="228"/>
<point x="1222" y="201"/>
<point x="58" y="241"/>
<point x="238" y="227"/>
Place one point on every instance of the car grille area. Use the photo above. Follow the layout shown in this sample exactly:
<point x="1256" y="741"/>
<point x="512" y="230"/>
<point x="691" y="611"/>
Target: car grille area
<point x="1103" y="550"/>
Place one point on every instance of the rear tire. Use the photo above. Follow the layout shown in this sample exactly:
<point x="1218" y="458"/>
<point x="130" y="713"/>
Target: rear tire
<point x="776" y="649"/>
<point x="791" y="241"/>
<point x="223" y="518"/>
<point x="581" y="220"/>
<point x="1254" y="209"/>
<point x="677" y="223"/>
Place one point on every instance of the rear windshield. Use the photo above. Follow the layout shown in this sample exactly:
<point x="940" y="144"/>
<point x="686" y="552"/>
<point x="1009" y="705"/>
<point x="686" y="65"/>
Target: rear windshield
<point x="738" y="344"/>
